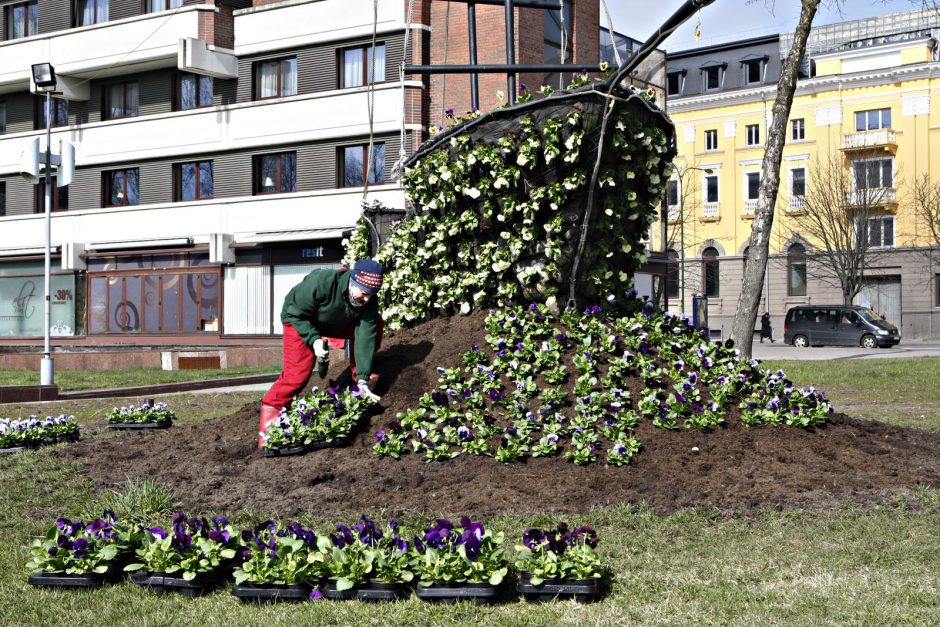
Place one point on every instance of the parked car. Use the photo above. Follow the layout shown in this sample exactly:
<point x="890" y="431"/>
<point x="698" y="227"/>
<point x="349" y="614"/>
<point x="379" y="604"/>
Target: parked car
<point x="838" y="325"/>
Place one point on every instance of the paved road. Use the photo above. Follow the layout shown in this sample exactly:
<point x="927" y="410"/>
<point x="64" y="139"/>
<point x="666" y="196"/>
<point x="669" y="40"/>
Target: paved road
<point x="907" y="348"/>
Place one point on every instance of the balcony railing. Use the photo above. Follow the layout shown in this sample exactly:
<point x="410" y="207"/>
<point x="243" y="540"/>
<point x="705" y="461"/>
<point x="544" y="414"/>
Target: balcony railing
<point x="872" y="197"/>
<point x="875" y="138"/>
<point x="710" y="211"/>
<point x="796" y="204"/>
<point x="750" y="206"/>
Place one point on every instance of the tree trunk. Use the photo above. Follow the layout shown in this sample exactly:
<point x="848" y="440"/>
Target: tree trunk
<point x="745" y="317"/>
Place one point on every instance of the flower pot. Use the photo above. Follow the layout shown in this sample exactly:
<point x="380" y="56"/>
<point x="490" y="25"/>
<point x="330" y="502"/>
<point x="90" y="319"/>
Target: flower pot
<point x="300" y="449"/>
<point x="270" y="592"/>
<point x="140" y="425"/>
<point x="580" y="590"/>
<point x="161" y="583"/>
<point x="478" y="593"/>
<point x="367" y="591"/>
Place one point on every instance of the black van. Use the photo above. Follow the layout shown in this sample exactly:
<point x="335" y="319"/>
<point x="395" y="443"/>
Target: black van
<point x="838" y="325"/>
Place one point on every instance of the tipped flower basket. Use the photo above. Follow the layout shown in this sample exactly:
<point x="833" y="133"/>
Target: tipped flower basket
<point x="580" y="590"/>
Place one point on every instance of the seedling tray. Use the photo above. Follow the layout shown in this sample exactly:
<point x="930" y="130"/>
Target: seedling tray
<point x="140" y="425"/>
<point x="371" y="591"/>
<point x="580" y="590"/>
<point x="477" y="593"/>
<point x="162" y="583"/>
<point x="270" y="593"/>
<point x="300" y="449"/>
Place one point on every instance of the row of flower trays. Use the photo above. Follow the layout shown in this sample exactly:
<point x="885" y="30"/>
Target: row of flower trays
<point x="32" y="432"/>
<point x="150" y="415"/>
<point x="274" y="562"/>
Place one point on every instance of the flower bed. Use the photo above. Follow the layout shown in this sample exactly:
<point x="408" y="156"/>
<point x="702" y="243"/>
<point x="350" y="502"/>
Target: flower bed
<point x="150" y="415"/>
<point x="15" y="435"/>
<point x="323" y="418"/>
<point x="562" y="386"/>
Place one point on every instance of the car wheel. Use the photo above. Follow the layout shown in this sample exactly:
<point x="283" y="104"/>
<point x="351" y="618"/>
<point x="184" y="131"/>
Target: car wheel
<point x="869" y="341"/>
<point x="801" y="341"/>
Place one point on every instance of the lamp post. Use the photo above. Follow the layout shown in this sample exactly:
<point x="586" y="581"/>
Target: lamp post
<point x="682" y="230"/>
<point x="45" y="82"/>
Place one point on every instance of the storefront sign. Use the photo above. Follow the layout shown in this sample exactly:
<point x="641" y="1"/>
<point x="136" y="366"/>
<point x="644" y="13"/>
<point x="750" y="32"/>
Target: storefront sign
<point x="21" y="306"/>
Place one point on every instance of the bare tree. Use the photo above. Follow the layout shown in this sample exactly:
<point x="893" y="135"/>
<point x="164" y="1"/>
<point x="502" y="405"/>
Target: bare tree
<point x="923" y="199"/>
<point x="843" y="218"/>
<point x="745" y="316"/>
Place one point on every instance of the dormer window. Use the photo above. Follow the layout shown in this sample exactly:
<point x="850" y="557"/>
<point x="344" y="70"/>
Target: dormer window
<point x="675" y="83"/>
<point x="753" y="68"/>
<point x="713" y="75"/>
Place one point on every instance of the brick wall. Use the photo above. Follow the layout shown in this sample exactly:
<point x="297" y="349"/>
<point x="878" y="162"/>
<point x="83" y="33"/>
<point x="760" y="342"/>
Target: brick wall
<point x="225" y="27"/>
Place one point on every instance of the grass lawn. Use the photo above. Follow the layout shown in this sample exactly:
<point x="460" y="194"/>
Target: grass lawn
<point x="842" y="566"/>
<point x="69" y="380"/>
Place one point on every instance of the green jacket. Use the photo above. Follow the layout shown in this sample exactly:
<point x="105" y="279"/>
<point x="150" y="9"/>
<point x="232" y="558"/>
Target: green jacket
<point x="319" y="306"/>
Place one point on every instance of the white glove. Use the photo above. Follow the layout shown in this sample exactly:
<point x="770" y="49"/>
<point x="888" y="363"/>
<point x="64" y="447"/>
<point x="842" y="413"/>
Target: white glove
<point x="321" y="349"/>
<point x="367" y="393"/>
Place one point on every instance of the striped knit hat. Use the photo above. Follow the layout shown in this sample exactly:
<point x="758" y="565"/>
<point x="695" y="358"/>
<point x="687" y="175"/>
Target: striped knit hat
<point x="367" y="275"/>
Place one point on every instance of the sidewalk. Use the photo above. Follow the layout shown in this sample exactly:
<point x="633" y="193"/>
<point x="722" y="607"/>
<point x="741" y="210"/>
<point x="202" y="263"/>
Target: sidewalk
<point x="907" y="348"/>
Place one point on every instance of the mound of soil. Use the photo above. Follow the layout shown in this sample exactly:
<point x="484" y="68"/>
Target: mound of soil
<point x="215" y="466"/>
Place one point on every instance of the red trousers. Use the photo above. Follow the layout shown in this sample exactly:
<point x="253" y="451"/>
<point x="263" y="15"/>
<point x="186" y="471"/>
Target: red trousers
<point x="298" y="363"/>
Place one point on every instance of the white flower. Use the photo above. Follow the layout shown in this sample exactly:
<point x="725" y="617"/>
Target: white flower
<point x="472" y="192"/>
<point x="465" y="308"/>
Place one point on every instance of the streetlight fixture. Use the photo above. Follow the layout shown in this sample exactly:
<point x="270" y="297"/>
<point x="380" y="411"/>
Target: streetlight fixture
<point x="45" y="82"/>
<point x="682" y="230"/>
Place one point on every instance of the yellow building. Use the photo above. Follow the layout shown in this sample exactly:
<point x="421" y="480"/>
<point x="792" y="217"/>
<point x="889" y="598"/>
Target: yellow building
<point x="861" y="136"/>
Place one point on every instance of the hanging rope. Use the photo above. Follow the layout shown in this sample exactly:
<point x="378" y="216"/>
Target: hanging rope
<point x="370" y="96"/>
<point x="610" y="28"/>
<point x="564" y="41"/>
<point x="402" y="153"/>
<point x="446" y="50"/>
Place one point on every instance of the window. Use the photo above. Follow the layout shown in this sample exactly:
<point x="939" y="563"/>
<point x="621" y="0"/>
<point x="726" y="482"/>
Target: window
<point x="753" y="134"/>
<point x="192" y="181"/>
<point x="22" y="20"/>
<point x="91" y="12"/>
<point x="352" y="160"/>
<point x="155" y="6"/>
<point x="711" y="189"/>
<point x="121" y="187"/>
<point x="753" y="185"/>
<point x="60" y="197"/>
<point x="879" y="231"/>
<point x="672" y="274"/>
<point x="357" y="66"/>
<point x="121" y="100"/>
<point x="276" y="78"/>
<point x="870" y="120"/>
<point x="753" y="71"/>
<point x="710" y="272"/>
<point x="873" y="173"/>
<point x="60" y="112"/>
<point x="675" y="82"/>
<point x="672" y="192"/>
<point x="797" y="182"/>
<point x="3" y="118"/>
<point x="798" y="129"/>
<point x="796" y="270"/>
<point x="193" y="91"/>
<point x="555" y="39"/>
<point x="276" y="173"/>
<point x="711" y="139"/>
<point x="936" y="277"/>
<point x="3" y="198"/>
<point x="711" y="77"/>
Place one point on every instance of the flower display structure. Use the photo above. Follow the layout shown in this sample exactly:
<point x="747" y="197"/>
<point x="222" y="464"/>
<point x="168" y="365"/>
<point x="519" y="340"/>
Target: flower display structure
<point x="77" y="548"/>
<point x="457" y="554"/>
<point x="560" y="553"/>
<point x="191" y="547"/>
<point x="499" y="207"/>
<point x="328" y="415"/>
<point x="33" y="431"/>
<point x="275" y="554"/>
<point x="543" y="385"/>
<point x="157" y="412"/>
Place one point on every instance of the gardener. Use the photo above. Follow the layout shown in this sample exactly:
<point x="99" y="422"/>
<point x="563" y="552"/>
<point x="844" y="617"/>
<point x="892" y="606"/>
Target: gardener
<point x="333" y="303"/>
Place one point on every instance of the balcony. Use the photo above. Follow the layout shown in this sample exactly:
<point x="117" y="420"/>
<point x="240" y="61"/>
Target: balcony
<point x="710" y="212"/>
<point x="134" y="44"/>
<point x="880" y="197"/>
<point x="875" y="139"/>
<point x="750" y="208"/>
<point x="796" y="205"/>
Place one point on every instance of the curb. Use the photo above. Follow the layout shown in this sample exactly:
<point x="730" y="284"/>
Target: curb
<point x="167" y="388"/>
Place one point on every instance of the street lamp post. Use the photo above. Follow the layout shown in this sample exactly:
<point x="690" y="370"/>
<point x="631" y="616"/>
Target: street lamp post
<point x="682" y="230"/>
<point x="45" y="81"/>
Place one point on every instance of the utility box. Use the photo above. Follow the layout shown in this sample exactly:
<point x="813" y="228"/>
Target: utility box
<point x="699" y="310"/>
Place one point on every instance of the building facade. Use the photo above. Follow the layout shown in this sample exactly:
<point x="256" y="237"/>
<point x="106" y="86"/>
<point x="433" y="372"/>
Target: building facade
<point x="861" y="136"/>
<point x="222" y="150"/>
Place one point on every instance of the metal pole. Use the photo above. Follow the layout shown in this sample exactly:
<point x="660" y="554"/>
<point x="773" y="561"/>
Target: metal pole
<point x="510" y="50"/>
<point x="46" y="369"/>
<point x="681" y="240"/>
<point x="474" y="78"/>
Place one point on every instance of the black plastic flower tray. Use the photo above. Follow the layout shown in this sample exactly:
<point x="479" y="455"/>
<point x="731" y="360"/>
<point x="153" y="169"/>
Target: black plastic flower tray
<point x="300" y="449"/>
<point x="162" y="583"/>
<point x="580" y="590"/>
<point x="369" y="591"/>
<point x="270" y="593"/>
<point x="477" y="593"/>
<point x="12" y="449"/>
<point x="62" y="580"/>
<point x="140" y="425"/>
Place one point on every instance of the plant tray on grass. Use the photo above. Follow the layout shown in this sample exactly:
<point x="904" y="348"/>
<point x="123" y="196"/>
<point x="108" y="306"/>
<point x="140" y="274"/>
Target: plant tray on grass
<point x="322" y="419"/>
<point x="478" y="593"/>
<point x="83" y="581"/>
<point x="161" y="583"/>
<point x="20" y="434"/>
<point x="148" y="416"/>
<point x="580" y="590"/>
<point x="270" y="592"/>
<point x="368" y="591"/>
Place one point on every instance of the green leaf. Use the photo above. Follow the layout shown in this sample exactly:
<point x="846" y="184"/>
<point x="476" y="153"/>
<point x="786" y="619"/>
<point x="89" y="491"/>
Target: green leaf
<point x="189" y="575"/>
<point x="343" y="583"/>
<point x="132" y="567"/>
<point x="101" y="569"/>
<point x="227" y="553"/>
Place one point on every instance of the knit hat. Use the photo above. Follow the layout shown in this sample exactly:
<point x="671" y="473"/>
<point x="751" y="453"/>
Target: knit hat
<point x="367" y="275"/>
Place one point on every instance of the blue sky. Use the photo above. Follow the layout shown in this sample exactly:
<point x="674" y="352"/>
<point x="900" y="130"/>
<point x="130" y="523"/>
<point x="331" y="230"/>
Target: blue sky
<point x="726" y="20"/>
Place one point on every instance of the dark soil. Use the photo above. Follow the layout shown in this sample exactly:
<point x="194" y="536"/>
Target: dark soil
<point x="215" y="466"/>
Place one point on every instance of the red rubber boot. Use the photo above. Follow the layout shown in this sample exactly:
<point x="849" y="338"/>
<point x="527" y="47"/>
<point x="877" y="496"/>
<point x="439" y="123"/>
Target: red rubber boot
<point x="268" y="415"/>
